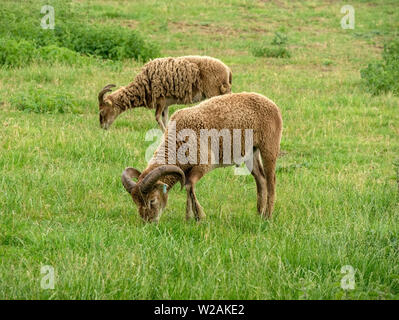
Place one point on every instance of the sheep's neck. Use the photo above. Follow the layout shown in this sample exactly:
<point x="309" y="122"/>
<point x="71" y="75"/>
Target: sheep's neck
<point x="131" y="96"/>
<point x="170" y="180"/>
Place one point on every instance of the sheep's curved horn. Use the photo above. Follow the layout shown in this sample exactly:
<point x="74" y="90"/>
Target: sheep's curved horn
<point x="106" y="89"/>
<point x="127" y="176"/>
<point x="149" y="180"/>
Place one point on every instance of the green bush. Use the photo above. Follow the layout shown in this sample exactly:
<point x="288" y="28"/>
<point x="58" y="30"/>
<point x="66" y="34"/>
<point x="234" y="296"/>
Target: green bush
<point x="16" y="53"/>
<point x="22" y="23"/>
<point x="280" y="39"/>
<point x="327" y="63"/>
<point x="271" y="52"/>
<point x="277" y="48"/>
<point x="383" y="76"/>
<point x="53" y="53"/>
<point x="108" y="42"/>
<point x="39" y="101"/>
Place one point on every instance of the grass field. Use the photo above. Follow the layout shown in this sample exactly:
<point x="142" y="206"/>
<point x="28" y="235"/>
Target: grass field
<point x="62" y="203"/>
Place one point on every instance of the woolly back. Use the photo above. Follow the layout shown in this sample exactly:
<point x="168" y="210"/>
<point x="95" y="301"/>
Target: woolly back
<point x="173" y="77"/>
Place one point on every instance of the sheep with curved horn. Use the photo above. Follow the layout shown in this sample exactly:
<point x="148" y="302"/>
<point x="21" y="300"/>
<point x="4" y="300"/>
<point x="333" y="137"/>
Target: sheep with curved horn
<point x="224" y="114"/>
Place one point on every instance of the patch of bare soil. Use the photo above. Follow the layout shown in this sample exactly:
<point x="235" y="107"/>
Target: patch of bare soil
<point x="211" y="29"/>
<point x="132" y="24"/>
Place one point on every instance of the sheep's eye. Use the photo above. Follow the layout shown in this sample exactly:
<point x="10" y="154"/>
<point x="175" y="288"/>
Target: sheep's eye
<point x="153" y="202"/>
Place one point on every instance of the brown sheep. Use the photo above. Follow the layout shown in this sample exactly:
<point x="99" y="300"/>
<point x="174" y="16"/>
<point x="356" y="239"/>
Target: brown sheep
<point x="242" y="111"/>
<point x="166" y="81"/>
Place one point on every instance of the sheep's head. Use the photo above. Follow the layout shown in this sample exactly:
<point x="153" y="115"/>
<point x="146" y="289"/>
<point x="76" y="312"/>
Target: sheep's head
<point x="220" y="82"/>
<point x="108" y="112"/>
<point x="150" y="194"/>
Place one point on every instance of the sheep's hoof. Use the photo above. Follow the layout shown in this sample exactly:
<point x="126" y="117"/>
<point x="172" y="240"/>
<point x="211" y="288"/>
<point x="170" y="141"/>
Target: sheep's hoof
<point x="261" y="210"/>
<point x="265" y="215"/>
<point x="200" y="214"/>
<point x="189" y="216"/>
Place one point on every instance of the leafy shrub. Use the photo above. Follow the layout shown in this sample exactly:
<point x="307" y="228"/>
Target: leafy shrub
<point x="327" y="63"/>
<point x="277" y="48"/>
<point x="71" y="31"/>
<point x="21" y="21"/>
<point x="39" y="101"/>
<point x="108" y="42"/>
<point x="280" y="39"/>
<point x="271" y="52"/>
<point x="16" y="53"/>
<point x="53" y="53"/>
<point x="383" y="76"/>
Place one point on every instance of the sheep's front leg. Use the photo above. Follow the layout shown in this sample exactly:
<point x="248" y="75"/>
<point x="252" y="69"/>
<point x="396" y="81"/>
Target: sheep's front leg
<point x="165" y="116"/>
<point x="193" y="206"/>
<point x="159" y="112"/>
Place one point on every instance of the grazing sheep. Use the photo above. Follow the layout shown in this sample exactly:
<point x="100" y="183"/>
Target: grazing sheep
<point x="232" y="112"/>
<point x="166" y="81"/>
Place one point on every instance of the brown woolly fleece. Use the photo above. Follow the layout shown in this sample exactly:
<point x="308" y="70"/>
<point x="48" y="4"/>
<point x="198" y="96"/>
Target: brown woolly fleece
<point x="233" y="111"/>
<point x="166" y="81"/>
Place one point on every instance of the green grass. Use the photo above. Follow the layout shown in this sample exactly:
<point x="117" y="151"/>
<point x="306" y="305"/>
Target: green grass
<point x="62" y="203"/>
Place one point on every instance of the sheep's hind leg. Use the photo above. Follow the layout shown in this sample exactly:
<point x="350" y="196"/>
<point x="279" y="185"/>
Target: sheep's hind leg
<point x="192" y="202"/>
<point x="269" y="165"/>
<point x="189" y="205"/>
<point x="259" y="175"/>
